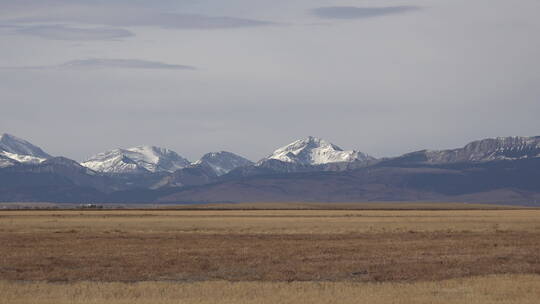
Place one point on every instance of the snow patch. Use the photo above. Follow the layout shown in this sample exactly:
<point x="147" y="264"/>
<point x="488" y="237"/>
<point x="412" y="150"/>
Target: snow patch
<point x="26" y="159"/>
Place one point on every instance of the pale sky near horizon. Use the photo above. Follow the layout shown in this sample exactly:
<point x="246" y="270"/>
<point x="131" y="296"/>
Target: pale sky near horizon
<point x="385" y="77"/>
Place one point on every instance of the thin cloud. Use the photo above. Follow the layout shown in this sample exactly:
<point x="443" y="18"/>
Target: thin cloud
<point x="197" y="21"/>
<point x="60" y="32"/>
<point x="351" y="12"/>
<point x="101" y="63"/>
<point x="9" y="26"/>
<point x="146" y="18"/>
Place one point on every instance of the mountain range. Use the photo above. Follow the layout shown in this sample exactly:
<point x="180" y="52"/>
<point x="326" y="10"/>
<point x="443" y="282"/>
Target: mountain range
<point x="497" y="170"/>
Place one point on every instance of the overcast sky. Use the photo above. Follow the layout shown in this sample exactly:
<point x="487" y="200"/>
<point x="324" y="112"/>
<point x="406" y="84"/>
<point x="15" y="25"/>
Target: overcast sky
<point x="386" y="77"/>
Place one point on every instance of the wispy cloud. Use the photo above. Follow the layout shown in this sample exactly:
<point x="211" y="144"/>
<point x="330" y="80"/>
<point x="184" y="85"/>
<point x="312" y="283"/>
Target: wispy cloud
<point x="61" y="32"/>
<point x="101" y="63"/>
<point x="182" y="21"/>
<point x="351" y="12"/>
<point x="136" y="17"/>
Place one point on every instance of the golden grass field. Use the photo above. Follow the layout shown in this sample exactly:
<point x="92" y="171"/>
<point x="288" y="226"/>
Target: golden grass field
<point x="508" y="289"/>
<point x="270" y="256"/>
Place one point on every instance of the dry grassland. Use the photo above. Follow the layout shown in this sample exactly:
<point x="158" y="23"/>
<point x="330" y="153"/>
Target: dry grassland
<point x="507" y="289"/>
<point x="340" y="206"/>
<point x="270" y="256"/>
<point x="249" y="222"/>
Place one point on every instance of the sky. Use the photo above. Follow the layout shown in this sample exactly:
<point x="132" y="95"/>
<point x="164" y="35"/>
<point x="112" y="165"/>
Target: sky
<point x="385" y="77"/>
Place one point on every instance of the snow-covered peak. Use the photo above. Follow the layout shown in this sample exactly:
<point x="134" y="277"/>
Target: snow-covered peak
<point x="223" y="162"/>
<point x="136" y="160"/>
<point x="15" y="145"/>
<point x="315" y="151"/>
<point x="16" y="150"/>
<point x="157" y="159"/>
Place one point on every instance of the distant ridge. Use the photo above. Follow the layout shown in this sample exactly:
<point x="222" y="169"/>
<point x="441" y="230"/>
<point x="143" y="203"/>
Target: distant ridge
<point x="503" y="169"/>
<point x="485" y="150"/>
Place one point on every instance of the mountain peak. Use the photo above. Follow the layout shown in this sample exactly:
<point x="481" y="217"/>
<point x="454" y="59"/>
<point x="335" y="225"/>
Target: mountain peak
<point x="5" y="135"/>
<point x="223" y="162"/>
<point x="7" y="138"/>
<point x="21" y="150"/>
<point x="313" y="140"/>
<point x="315" y="151"/>
<point x="136" y="160"/>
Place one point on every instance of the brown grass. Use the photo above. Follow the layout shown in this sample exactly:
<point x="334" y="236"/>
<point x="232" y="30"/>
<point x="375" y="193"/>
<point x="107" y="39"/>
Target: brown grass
<point x="508" y="289"/>
<point x="274" y="245"/>
<point x="271" y="221"/>
<point x="275" y="206"/>
<point x="343" y="206"/>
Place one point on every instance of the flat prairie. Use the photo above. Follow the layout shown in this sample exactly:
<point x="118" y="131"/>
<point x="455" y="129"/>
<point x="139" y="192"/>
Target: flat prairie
<point x="270" y="256"/>
<point x="507" y="289"/>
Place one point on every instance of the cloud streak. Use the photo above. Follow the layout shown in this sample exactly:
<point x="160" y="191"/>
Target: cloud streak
<point x="150" y="18"/>
<point x="351" y="12"/>
<point x="61" y="32"/>
<point x="101" y="63"/>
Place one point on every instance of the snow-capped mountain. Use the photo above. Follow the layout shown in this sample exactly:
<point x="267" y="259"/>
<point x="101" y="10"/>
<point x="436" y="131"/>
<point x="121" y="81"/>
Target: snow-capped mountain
<point x="315" y="151"/>
<point x="16" y="150"/>
<point x="490" y="149"/>
<point x="136" y="160"/>
<point x="223" y="162"/>
<point x="500" y="148"/>
<point x="497" y="169"/>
